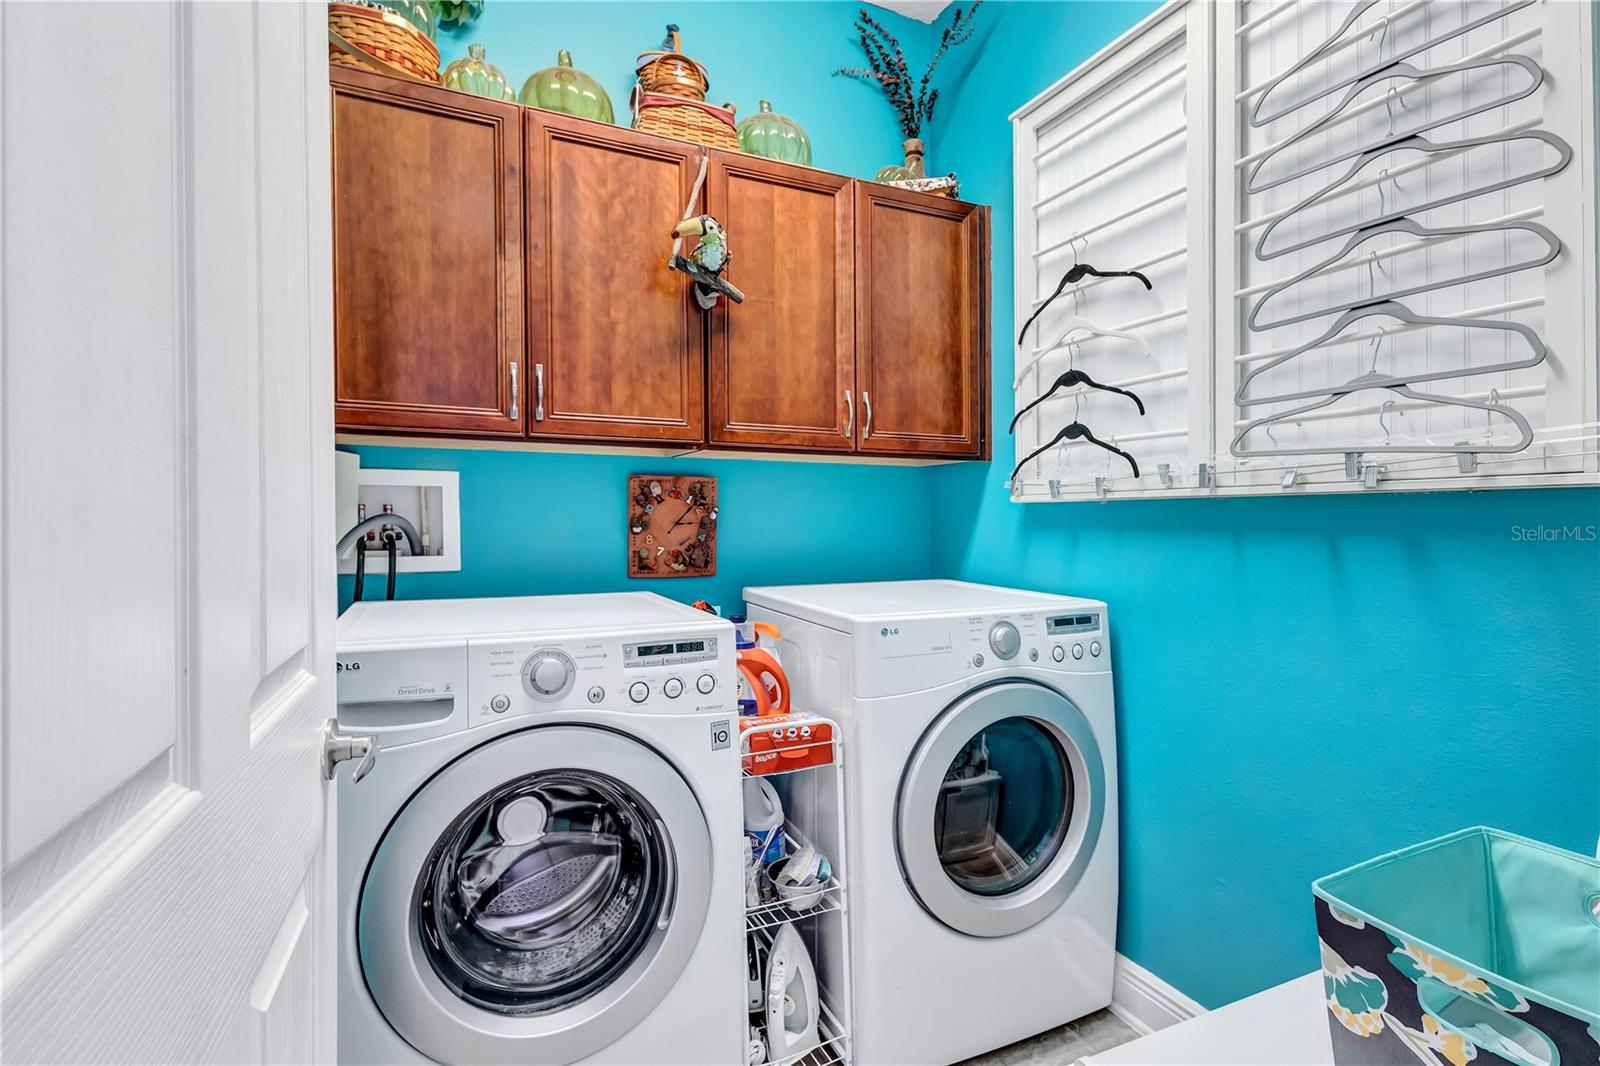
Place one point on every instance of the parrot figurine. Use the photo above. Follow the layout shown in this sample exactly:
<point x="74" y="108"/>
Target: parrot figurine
<point x="708" y="260"/>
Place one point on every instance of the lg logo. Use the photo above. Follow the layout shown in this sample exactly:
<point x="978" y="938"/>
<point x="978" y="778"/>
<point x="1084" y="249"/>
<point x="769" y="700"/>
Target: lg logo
<point x="890" y="631"/>
<point x="340" y="666"/>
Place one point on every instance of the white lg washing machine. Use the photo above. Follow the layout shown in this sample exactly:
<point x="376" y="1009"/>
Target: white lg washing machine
<point x="983" y="804"/>
<point x="543" y="864"/>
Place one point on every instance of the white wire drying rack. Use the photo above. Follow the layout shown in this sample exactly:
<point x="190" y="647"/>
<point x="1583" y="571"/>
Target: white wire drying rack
<point x="814" y="814"/>
<point x="1095" y="156"/>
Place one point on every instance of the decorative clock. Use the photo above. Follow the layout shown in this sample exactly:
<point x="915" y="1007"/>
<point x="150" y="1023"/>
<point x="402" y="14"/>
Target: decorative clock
<point x="672" y="526"/>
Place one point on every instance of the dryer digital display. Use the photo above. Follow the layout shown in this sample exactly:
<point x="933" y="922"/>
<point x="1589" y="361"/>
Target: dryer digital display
<point x="1073" y="623"/>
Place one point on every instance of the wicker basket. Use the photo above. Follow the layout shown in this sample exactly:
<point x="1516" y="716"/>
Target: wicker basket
<point x="674" y="75"/>
<point x="383" y="35"/>
<point x="668" y="71"/>
<point x="673" y="116"/>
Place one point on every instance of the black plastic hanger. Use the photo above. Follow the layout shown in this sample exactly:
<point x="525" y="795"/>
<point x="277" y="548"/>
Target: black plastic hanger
<point x="1066" y="381"/>
<point x="1074" y="431"/>
<point x="1075" y="274"/>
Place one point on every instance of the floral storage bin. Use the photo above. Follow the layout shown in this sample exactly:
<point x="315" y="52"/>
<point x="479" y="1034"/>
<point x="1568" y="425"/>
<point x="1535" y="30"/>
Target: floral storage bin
<point x="1479" y="947"/>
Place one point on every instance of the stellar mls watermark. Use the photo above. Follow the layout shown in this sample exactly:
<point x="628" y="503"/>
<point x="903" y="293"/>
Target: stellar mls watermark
<point x="1551" y="534"/>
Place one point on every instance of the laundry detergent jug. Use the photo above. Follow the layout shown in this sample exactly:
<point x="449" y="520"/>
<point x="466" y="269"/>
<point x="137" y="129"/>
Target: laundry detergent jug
<point x="761" y="678"/>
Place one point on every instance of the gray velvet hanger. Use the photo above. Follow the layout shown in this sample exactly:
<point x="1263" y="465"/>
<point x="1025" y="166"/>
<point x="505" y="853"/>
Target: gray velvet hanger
<point x="1257" y="119"/>
<point x="1422" y="76"/>
<point x="1400" y="312"/>
<point x="1408" y="226"/>
<point x="1415" y="142"/>
<point x="1367" y="381"/>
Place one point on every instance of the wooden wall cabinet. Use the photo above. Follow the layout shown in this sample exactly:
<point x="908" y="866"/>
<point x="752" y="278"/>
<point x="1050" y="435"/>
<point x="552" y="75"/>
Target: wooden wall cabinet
<point x="616" y="343"/>
<point x="921" y="323"/>
<point x="782" y="364"/>
<point x="500" y="271"/>
<point x="427" y="258"/>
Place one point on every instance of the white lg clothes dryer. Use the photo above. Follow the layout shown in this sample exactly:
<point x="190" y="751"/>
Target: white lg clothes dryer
<point x="543" y="864"/>
<point x="982" y="785"/>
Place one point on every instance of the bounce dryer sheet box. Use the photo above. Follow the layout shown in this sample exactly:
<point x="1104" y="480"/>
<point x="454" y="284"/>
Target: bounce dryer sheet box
<point x="778" y="743"/>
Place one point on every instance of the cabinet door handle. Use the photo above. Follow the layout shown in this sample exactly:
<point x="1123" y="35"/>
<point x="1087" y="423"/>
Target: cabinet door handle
<point x="866" y="419"/>
<point x="513" y="415"/>
<point x="538" y="392"/>
<point x="849" y="414"/>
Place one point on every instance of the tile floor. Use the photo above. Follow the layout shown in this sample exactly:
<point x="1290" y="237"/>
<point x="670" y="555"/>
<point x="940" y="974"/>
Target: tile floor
<point x="1061" y="1047"/>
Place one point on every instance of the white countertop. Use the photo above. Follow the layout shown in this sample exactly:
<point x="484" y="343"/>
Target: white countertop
<point x="1286" y="1025"/>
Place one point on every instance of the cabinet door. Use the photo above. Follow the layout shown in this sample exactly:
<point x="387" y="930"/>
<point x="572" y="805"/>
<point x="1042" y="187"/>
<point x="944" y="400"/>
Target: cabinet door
<point x="782" y="364"/>
<point x="427" y="258"/>
<point x="616" y="343"/>
<point x="921" y="323"/>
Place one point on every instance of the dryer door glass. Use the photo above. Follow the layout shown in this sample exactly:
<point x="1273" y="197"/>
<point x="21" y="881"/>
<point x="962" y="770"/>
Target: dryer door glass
<point x="1003" y="807"/>
<point x="1000" y="808"/>
<point x="543" y="891"/>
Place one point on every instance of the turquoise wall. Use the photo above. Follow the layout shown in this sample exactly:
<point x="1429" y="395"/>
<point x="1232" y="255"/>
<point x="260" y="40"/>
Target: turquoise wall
<point x="547" y="523"/>
<point x="538" y="522"/>
<point x="1301" y="683"/>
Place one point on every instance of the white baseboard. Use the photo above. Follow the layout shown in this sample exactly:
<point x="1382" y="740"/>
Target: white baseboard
<point x="1145" y="1001"/>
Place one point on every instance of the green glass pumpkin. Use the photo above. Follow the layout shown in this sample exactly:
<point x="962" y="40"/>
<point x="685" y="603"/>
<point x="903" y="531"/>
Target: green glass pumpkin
<point x="563" y="88"/>
<point x="774" y="137"/>
<point x="478" y="76"/>
<point x="913" y="167"/>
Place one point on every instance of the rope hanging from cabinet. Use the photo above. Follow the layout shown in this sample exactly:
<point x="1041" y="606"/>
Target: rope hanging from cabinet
<point x="688" y="208"/>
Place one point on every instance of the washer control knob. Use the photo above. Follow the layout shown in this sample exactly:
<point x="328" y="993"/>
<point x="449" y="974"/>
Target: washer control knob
<point x="673" y="686"/>
<point x="1004" y="640"/>
<point x="548" y="674"/>
<point x="1094" y="648"/>
<point x="638" y="692"/>
<point x="705" y="683"/>
<point x="1077" y="651"/>
<point x="500" y="704"/>
<point x="1058" y="653"/>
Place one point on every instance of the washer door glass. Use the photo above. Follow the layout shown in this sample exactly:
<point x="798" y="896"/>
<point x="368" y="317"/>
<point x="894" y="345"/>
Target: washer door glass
<point x="542" y="891"/>
<point x="536" y="898"/>
<point x="1003" y="807"/>
<point x="1000" y="808"/>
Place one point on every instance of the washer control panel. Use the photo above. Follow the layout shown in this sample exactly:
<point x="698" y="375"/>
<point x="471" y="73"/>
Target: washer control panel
<point x="645" y="655"/>
<point x="672" y="674"/>
<point x="548" y="674"/>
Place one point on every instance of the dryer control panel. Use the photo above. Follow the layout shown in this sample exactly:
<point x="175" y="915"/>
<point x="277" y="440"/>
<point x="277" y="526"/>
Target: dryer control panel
<point x="917" y="653"/>
<point x="667" y="674"/>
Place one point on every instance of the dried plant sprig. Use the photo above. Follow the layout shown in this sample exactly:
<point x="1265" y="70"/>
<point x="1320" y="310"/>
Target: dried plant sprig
<point x="886" y="66"/>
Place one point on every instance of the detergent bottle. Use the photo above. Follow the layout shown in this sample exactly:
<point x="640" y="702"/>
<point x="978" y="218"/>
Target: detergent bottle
<point x="761" y="677"/>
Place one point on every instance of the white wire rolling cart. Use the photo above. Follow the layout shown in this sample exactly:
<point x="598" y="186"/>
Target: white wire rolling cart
<point x="814" y="814"/>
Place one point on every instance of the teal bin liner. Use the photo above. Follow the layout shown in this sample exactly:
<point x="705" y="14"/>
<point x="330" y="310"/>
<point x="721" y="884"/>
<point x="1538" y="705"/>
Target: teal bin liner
<point x="1479" y="947"/>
